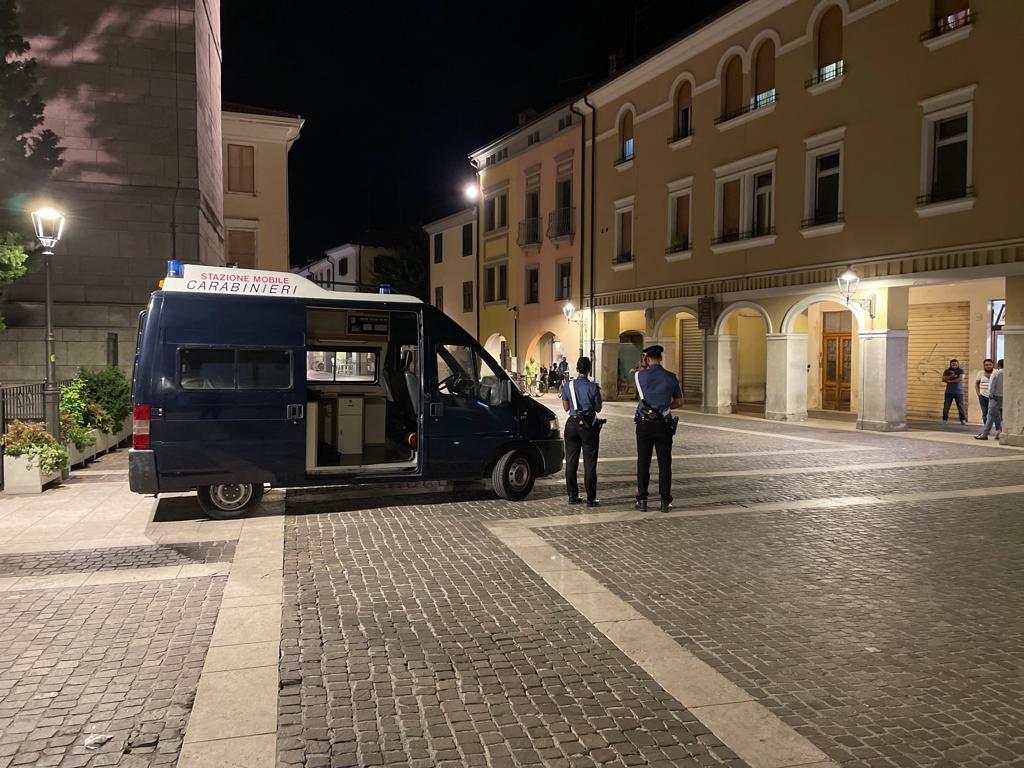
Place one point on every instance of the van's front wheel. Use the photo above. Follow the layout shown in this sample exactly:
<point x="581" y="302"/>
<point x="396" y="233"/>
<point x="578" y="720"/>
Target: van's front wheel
<point x="513" y="476"/>
<point x="228" y="501"/>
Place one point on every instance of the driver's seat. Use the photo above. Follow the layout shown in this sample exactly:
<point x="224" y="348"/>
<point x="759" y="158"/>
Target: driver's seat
<point x="412" y="381"/>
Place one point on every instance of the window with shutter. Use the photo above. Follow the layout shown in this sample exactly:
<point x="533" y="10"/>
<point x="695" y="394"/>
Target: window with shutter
<point x="438" y="247"/>
<point x="764" y="75"/>
<point x="830" y="42"/>
<point x="626" y="137"/>
<point x="241" y="169"/>
<point x="731" y="210"/>
<point x="732" y="92"/>
<point x="467" y="296"/>
<point x="684" y="101"/>
<point x="242" y="248"/>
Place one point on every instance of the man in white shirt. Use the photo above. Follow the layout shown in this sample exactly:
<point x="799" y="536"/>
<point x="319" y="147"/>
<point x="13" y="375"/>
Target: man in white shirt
<point x="995" y="403"/>
<point x="981" y="386"/>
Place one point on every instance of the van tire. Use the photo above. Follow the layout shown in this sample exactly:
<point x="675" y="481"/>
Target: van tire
<point x="230" y="501"/>
<point x="514" y="475"/>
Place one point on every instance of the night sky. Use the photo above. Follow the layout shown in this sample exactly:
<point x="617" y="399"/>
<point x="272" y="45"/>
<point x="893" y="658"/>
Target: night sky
<point x="395" y="95"/>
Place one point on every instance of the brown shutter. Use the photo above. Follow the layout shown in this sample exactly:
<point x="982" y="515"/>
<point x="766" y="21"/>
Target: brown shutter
<point x="732" y="100"/>
<point x="830" y="37"/>
<point x="731" y="208"/>
<point x="626" y="233"/>
<point x="692" y="345"/>
<point x="683" y="217"/>
<point x="944" y="8"/>
<point x="242" y="248"/>
<point x="684" y="96"/>
<point x="764" y="75"/>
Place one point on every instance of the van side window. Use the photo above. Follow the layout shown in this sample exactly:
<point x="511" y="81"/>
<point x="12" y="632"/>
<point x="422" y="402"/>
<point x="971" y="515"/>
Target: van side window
<point x="264" y="369"/>
<point x="207" y="369"/>
<point x="462" y="373"/>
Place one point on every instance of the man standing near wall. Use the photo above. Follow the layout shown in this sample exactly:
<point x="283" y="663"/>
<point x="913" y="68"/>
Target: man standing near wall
<point x="995" y="404"/>
<point x="954" y="377"/>
<point x="981" y="387"/>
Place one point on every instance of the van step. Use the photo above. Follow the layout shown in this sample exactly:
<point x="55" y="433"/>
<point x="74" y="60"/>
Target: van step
<point x="318" y="494"/>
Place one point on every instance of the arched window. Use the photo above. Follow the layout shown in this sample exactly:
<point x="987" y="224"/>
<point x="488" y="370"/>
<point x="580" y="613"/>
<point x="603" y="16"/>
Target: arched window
<point x="626" y="138"/>
<point x="830" y="44"/>
<point x="684" y="101"/>
<point x="764" y="76"/>
<point x="732" y="88"/>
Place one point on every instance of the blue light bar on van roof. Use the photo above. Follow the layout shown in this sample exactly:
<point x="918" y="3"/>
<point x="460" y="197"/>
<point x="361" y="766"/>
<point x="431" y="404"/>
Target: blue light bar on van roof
<point x="175" y="268"/>
<point x="385" y="288"/>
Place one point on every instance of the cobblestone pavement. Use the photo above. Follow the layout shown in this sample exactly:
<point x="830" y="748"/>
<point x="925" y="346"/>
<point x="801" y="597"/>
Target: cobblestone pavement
<point x="888" y="634"/>
<point x="108" y="558"/>
<point x="119" y="661"/>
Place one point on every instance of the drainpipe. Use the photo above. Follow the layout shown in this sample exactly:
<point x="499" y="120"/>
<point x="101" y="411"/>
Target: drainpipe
<point x="593" y="211"/>
<point x="583" y="196"/>
<point x="476" y="226"/>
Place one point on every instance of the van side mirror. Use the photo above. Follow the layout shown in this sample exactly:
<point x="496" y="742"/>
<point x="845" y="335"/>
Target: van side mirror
<point x="506" y="390"/>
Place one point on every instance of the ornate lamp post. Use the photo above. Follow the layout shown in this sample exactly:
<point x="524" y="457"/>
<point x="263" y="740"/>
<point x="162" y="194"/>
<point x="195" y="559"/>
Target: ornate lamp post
<point x="49" y="226"/>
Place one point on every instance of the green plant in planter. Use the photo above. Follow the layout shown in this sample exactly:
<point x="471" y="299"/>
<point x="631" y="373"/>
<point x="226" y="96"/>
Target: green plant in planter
<point x="680" y="243"/>
<point x="109" y="388"/>
<point x="74" y="415"/>
<point x="96" y="417"/>
<point x="74" y="432"/>
<point x="37" y="445"/>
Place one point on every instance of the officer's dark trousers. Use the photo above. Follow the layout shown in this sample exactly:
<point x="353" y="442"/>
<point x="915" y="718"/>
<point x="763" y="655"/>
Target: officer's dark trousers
<point x="654" y="436"/>
<point x="586" y="440"/>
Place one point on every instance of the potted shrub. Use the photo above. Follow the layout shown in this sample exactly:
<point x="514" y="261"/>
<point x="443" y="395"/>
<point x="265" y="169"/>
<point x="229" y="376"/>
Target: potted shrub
<point x="32" y="458"/>
<point x="680" y="243"/>
<point x="78" y="434"/>
<point x="109" y="389"/>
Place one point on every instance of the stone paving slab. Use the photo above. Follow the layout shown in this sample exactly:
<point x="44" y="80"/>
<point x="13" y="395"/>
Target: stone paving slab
<point x="111" y="558"/>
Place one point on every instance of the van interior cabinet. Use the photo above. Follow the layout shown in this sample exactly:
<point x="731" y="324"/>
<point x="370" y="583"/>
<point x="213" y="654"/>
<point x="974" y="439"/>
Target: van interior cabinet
<point x="349" y="425"/>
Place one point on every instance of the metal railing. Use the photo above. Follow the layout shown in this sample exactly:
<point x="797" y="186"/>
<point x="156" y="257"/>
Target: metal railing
<point x="832" y="71"/>
<point x="820" y="218"/>
<point x="623" y="159"/>
<point x="758" y="102"/>
<point x="948" y="24"/>
<point x="683" y="132"/>
<point x="23" y="403"/>
<point x="623" y="258"/>
<point x="940" y="194"/>
<point x="678" y="247"/>
<point x="732" y="237"/>
<point x="561" y="223"/>
<point x="529" y="233"/>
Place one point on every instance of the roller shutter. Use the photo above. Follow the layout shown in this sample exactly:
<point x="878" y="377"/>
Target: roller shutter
<point x="692" y="345"/>
<point x="938" y="333"/>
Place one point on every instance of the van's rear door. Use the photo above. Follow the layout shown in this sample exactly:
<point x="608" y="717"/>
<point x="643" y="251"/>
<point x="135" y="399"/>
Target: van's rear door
<point x="233" y="393"/>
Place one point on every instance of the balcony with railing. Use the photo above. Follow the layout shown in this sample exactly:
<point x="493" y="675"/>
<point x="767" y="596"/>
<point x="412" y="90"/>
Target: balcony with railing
<point x="761" y="104"/>
<point x="622" y="261"/>
<point x="758" y="233"/>
<point x="562" y="224"/>
<point x="941" y="193"/>
<point x="529" y="233"/>
<point x="822" y="218"/>
<point x="950" y="23"/>
<point x="830" y="73"/>
<point x="681" y="133"/>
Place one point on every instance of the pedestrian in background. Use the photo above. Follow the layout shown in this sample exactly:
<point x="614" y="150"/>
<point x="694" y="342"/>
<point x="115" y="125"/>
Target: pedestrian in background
<point x="981" y="387"/>
<point x="995" y="404"/>
<point x="954" y="377"/>
<point x="531" y="370"/>
<point x="581" y="397"/>
<point x="659" y="393"/>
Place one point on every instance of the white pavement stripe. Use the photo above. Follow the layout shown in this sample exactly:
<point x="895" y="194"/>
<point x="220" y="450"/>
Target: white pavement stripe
<point x="758" y="432"/>
<point x="234" y="717"/>
<point x="742" y="454"/>
<point x="113" y="576"/>
<point x="748" y="728"/>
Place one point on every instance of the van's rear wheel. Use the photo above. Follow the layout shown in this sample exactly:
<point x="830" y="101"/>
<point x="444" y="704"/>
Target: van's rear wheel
<point x="513" y="476"/>
<point x="228" y="501"/>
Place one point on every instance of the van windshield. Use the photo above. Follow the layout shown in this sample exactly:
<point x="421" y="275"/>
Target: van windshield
<point x="461" y="372"/>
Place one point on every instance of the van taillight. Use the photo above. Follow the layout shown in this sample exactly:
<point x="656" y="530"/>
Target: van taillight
<point x="140" y="426"/>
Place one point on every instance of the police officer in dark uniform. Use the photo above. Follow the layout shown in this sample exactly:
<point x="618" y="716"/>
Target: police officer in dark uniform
<point x="659" y="393"/>
<point x="581" y="397"/>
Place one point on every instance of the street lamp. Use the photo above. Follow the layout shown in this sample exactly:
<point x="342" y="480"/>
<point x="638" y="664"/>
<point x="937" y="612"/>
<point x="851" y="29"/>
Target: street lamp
<point x="848" y="282"/>
<point x="472" y="191"/>
<point x="568" y="310"/>
<point x="49" y="226"/>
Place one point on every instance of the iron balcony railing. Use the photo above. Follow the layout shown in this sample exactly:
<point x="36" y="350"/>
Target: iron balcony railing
<point x="682" y="132"/>
<point x="529" y="233"/>
<point x="948" y="24"/>
<point x="23" y="403"/>
<point x="732" y="237"/>
<point x="822" y="217"/>
<point x="941" y="194"/>
<point x="758" y="102"/>
<point x="678" y="247"/>
<point x="831" y="71"/>
<point x="561" y="223"/>
<point x="623" y="258"/>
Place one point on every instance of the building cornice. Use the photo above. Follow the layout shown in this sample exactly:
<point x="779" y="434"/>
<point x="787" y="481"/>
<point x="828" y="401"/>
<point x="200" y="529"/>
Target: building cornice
<point x="242" y="126"/>
<point x="457" y="219"/>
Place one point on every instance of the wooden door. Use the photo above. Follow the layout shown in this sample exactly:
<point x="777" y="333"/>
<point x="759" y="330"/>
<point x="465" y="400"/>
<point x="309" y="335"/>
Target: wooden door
<point x="837" y="360"/>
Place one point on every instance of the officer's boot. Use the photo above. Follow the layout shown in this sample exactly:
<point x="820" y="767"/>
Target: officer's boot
<point x="641" y="503"/>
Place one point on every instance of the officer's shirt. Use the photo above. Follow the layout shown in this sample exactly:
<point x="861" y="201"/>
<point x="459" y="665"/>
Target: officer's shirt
<point x="588" y="395"/>
<point x="660" y="388"/>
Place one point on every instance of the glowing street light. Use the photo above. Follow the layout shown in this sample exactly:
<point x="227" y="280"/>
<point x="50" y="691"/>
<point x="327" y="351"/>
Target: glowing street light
<point x="568" y="310"/>
<point x="848" y="282"/>
<point x="49" y="226"/>
<point x="472" y="191"/>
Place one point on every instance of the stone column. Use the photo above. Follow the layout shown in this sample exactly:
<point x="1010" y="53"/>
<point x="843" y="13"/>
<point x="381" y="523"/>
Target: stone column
<point x="786" y="384"/>
<point x="606" y="367"/>
<point x="721" y="373"/>
<point x="1013" y="364"/>
<point x="883" y="381"/>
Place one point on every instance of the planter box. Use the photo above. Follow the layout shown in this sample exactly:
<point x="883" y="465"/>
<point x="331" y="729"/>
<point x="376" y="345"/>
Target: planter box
<point x="93" y="449"/>
<point x="75" y="456"/>
<point x="21" y="476"/>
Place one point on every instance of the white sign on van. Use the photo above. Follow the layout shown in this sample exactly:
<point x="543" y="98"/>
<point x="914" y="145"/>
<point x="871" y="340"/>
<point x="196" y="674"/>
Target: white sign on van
<point x="198" y="278"/>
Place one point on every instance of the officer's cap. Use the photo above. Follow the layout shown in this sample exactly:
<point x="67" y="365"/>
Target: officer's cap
<point x="655" y="350"/>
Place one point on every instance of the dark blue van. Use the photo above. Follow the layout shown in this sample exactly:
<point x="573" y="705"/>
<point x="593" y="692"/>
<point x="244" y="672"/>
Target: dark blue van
<point x="245" y="379"/>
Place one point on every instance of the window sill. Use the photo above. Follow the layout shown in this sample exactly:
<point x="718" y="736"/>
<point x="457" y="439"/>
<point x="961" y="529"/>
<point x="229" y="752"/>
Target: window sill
<point x="498" y="303"/>
<point x="826" y="85"/>
<point x="953" y="36"/>
<point x="742" y="245"/>
<point x="683" y="142"/>
<point x="746" y="117"/>
<point x="820" y="230"/>
<point x="679" y="255"/>
<point x="625" y="165"/>
<point x="946" y="206"/>
<point x="488" y="233"/>
<point x="623" y="266"/>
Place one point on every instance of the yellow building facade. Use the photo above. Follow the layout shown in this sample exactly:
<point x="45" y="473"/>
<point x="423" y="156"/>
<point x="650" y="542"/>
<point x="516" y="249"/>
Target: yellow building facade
<point x="256" y="146"/>
<point x="741" y="170"/>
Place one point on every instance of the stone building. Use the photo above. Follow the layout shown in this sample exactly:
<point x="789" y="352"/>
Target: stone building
<point x="133" y="90"/>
